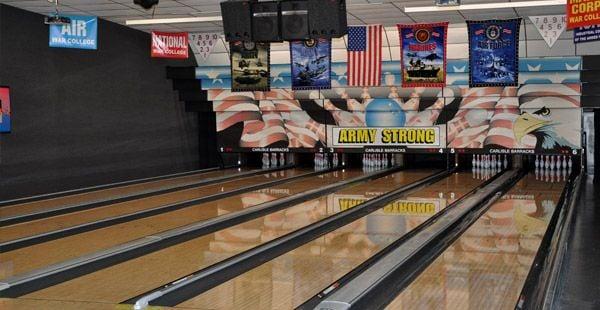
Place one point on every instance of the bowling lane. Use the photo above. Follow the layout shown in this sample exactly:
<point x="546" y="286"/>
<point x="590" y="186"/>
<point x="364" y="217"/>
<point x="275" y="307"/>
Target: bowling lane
<point x="487" y="266"/>
<point x="35" y="227"/>
<point x="289" y="280"/>
<point x="134" y="277"/>
<point x="36" y="256"/>
<point x="99" y="195"/>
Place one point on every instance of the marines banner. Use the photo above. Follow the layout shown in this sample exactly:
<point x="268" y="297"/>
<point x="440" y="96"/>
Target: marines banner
<point x="311" y="64"/>
<point x="494" y="52"/>
<point x="423" y="54"/>
<point x="250" y="69"/>
<point x="202" y="44"/>
<point x="550" y="27"/>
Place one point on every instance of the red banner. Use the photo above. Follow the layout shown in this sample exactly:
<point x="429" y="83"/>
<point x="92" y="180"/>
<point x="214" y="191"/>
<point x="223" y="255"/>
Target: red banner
<point x="169" y="45"/>
<point x="582" y="13"/>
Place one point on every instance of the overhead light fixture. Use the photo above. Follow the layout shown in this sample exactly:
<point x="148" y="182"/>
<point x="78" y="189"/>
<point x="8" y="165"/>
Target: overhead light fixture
<point x="146" y="4"/>
<point x="485" y="6"/>
<point x="56" y="19"/>
<point x="180" y="20"/>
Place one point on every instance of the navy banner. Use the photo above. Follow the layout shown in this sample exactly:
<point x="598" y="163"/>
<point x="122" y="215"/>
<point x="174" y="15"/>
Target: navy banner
<point x="586" y="34"/>
<point x="494" y="52"/>
<point x="250" y="66"/>
<point x="423" y="54"/>
<point x="311" y="64"/>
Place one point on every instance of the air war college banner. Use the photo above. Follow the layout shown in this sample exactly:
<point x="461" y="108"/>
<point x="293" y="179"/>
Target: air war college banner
<point x="250" y="66"/>
<point x="81" y="33"/>
<point x="423" y="54"/>
<point x="311" y="64"/>
<point x="494" y="52"/>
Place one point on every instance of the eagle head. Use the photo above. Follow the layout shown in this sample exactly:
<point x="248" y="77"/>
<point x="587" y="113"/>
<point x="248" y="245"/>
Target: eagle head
<point x="529" y="123"/>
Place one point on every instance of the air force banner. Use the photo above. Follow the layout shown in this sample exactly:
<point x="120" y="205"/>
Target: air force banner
<point x="81" y="33"/>
<point x="311" y="64"/>
<point x="494" y="52"/>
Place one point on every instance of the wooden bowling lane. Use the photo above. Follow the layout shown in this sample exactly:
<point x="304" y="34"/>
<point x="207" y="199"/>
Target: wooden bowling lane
<point x="289" y="280"/>
<point x="487" y="266"/>
<point x="35" y="227"/>
<point x="99" y="195"/>
<point x="131" y="278"/>
<point x="51" y="252"/>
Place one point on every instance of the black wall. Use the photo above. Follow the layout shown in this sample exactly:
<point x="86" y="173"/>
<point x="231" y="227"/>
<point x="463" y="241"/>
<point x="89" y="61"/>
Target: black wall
<point x="81" y="117"/>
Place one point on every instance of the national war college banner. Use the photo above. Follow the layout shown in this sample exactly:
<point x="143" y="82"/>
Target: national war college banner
<point x="494" y="52"/>
<point x="311" y="64"/>
<point x="169" y="45"/>
<point x="423" y="54"/>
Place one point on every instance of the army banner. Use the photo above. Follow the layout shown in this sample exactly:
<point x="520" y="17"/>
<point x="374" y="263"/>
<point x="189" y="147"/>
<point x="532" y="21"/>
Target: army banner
<point x="311" y="64"/>
<point x="250" y="66"/>
<point x="353" y="137"/>
<point x="423" y="54"/>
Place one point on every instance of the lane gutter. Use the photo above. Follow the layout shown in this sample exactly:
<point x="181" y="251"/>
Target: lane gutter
<point x="196" y="283"/>
<point x="44" y="277"/>
<point x="382" y="281"/>
<point x="314" y="301"/>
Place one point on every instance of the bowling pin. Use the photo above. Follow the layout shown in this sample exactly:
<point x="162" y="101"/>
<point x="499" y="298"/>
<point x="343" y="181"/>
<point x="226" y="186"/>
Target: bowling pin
<point x="281" y="159"/>
<point x="265" y="160"/>
<point x="537" y="161"/>
<point x="505" y="161"/>
<point x="570" y="163"/>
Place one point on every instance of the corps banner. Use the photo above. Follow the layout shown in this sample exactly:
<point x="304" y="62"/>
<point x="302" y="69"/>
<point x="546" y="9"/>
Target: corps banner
<point x="250" y="70"/>
<point x="423" y="54"/>
<point x="202" y="44"/>
<point x="5" y="109"/>
<point x="582" y="13"/>
<point x="550" y="27"/>
<point x="352" y="137"/>
<point x="494" y="52"/>
<point x="311" y="64"/>
<point x="169" y="45"/>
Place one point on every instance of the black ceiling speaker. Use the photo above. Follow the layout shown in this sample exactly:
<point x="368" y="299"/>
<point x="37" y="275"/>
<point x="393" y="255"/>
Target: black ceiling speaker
<point x="146" y="4"/>
<point x="265" y="21"/>
<point x="327" y="18"/>
<point x="237" y="20"/>
<point x="294" y="20"/>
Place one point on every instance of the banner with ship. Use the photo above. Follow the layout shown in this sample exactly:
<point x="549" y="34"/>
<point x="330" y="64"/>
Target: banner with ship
<point x="423" y="54"/>
<point x="311" y="64"/>
<point x="494" y="52"/>
<point x="250" y="67"/>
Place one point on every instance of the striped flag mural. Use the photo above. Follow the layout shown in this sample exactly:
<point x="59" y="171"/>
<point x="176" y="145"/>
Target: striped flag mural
<point x="364" y="55"/>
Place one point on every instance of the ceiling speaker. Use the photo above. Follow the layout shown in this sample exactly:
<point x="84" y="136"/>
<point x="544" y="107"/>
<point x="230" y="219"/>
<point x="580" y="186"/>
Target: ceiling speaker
<point x="265" y="21"/>
<point x="327" y="18"/>
<point x="146" y="4"/>
<point x="294" y="20"/>
<point x="237" y="20"/>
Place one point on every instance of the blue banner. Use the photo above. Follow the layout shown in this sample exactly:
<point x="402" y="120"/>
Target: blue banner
<point x="311" y="64"/>
<point x="494" y="52"/>
<point x="586" y="34"/>
<point x="82" y="33"/>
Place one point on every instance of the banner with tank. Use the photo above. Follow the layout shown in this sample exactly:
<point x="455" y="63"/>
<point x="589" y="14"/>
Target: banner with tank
<point x="423" y="54"/>
<point x="250" y="66"/>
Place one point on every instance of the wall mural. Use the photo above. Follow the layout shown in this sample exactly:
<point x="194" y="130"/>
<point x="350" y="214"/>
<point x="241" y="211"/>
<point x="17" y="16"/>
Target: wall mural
<point x="544" y="118"/>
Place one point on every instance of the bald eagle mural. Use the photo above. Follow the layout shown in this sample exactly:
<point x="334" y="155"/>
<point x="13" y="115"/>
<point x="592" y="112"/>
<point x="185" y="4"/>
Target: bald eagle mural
<point x="545" y="130"/>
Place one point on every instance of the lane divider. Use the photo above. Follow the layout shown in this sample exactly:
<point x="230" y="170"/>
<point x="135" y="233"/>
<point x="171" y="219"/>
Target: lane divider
<point x="207" y="278"/>
<point x="382" y="281"/>
<point x="44" y="277"/>
<point x="22" y="218"/>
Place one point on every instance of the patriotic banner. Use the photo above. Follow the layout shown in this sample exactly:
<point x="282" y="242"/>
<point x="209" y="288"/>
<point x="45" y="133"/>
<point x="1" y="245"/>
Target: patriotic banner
<point x="581" y="13"/>
<point x="202" y="44"/>
<point x="364" y="55"/>
<point x="81" y="33"/>
<point x="423" y="54"/>
<point x="5" y="109"/>
<point x="550" y="27"/>
<point x="250" y="66"/>
<point x="172" y="45"/>
<point x="494" y="52"/>
<point x="311" y="64"/>
<point x="586" y="34"/>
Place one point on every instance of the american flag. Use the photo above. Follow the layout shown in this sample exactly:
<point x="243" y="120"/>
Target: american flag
<point x="364" y="55"/>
